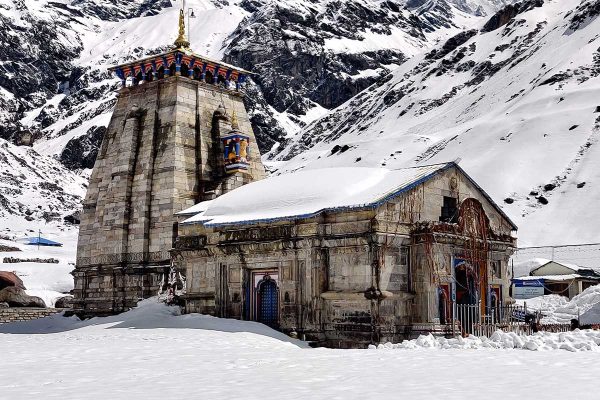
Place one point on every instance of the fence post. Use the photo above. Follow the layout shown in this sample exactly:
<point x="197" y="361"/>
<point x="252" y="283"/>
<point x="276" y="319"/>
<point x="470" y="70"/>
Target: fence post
<point x="454" y="318"/>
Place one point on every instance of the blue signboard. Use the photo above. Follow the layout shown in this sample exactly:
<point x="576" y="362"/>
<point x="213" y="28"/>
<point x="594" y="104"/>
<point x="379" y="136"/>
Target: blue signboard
<point x="527" y="289"/>
<point x="530" y="283"/>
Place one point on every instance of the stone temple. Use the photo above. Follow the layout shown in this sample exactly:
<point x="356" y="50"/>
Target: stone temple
<point x="161" y="154"/>
<point x="344" y="257"/>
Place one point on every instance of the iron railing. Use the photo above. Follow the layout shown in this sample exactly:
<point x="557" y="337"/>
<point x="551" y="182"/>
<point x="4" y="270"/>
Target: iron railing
<point x="472" y="319"/>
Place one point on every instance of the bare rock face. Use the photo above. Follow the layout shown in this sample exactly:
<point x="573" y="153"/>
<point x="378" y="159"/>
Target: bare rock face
<point x="505" y="15"/>
<point x="584" y="13"/>
<point x="81" y="152"/>
<point x="16" y="297"/>
<point x="286" y="45"/>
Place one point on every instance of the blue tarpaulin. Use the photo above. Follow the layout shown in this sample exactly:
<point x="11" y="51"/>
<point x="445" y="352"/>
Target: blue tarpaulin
<point x="41" y="241"/>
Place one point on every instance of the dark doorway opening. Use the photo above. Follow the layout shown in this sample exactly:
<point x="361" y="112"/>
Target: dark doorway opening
<point x="209" y="77"/>
<point x="466" y="290"/>
<point x="267" y="302"/>
<point x="184" y="70"/>
<point x="197" y="74"/>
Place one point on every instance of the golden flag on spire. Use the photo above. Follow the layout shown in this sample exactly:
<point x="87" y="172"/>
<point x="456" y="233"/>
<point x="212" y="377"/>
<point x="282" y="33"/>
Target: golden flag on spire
<point x="181" y="41"/>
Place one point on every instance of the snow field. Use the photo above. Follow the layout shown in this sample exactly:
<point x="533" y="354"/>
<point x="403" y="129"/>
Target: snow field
<point x="47" y="281"/>
<point x="152" y="352"/>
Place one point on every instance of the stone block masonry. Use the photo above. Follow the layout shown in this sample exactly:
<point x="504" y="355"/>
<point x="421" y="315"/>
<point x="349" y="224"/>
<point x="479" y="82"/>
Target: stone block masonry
<point x="15" y="314"/>
<point x="161" y="154"/>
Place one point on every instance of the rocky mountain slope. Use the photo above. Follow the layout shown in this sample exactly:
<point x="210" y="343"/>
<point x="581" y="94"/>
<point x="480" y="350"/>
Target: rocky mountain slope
<point x="310" y="56"/>
<point x="36" y="190"/>
<point x="516" y="98"/>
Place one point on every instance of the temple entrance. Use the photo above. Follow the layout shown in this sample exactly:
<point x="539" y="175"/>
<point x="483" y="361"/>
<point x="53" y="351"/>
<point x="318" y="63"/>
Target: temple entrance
<point x="262" y="297"/>
<point x="467" y="310"/>
<point x="267" y="302"/>
<point x="465" y="281"/>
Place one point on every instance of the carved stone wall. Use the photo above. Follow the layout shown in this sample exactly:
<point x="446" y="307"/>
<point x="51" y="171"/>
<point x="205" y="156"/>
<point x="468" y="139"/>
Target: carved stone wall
<point x="161" y="154"/>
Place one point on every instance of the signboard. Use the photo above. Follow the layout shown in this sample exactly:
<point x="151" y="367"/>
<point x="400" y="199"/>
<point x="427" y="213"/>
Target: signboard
<point x="527" y="289"/>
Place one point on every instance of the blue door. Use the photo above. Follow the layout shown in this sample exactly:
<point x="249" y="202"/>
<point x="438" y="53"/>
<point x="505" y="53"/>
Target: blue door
<point x="268" y="302"/>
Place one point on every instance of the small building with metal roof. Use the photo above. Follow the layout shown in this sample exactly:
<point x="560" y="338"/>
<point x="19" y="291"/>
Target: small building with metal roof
<point x="554" y="277"/>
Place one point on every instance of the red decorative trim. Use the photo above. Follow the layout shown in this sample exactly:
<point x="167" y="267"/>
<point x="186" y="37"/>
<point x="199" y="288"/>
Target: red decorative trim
<point x="170" y="59"/>
<point x="186" y="60"/>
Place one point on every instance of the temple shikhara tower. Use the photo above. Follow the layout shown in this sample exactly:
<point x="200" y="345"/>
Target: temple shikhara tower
<point x="179" y="135"/>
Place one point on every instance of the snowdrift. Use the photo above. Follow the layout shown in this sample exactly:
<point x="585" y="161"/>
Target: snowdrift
<point x="560" y="310"/>
<point x="149" y="314"/>
<point x="578" y="340"/>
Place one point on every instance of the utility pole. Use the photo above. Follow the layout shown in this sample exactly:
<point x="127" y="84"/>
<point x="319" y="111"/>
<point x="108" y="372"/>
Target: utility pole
<point x="190" y="14"/>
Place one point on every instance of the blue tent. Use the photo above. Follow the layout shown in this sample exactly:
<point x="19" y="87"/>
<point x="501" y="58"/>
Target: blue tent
<point x="42" y="242"/>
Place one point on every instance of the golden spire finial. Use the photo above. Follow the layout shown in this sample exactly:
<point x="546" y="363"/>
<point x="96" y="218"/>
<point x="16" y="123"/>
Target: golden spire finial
<point x="181" y="41"/>
<point x="234" y="121"/>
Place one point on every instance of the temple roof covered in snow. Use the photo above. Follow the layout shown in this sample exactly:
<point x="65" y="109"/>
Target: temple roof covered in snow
<point x="307" y="193"/>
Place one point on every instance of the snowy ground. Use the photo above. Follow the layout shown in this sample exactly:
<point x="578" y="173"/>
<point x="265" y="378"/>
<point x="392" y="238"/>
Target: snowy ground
<point x="47" y="281"/>
<point x="152" y="353"/>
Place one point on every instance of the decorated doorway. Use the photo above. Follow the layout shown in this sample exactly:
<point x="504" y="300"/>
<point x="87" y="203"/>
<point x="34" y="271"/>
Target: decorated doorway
<point x="465" y="279"/>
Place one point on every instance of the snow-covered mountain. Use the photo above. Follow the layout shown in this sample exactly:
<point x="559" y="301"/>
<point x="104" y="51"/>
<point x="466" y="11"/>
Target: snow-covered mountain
<point x="310" y="56"/>
<point x="36" y="190"/>
<point x="517" y="99"/>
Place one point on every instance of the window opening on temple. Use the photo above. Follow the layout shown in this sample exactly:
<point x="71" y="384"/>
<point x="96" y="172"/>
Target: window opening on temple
<point x="208" y="77"/>
<point x="449" y="210"/>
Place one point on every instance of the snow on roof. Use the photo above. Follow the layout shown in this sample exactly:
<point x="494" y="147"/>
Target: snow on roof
<point x="306" y="193"/>
<point x="573" y="267"/>
<point x="523" y="268"/>
<point x="195" y="209"/>
<point x="566" y="277"/>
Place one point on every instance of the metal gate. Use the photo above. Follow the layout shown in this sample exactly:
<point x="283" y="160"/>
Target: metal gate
<point x="268" y="302"/>
<point x="509" y="318"/>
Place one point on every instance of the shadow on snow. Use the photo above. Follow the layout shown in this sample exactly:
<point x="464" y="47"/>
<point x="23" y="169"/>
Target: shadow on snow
<point x="150" y="314"/>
